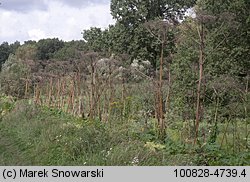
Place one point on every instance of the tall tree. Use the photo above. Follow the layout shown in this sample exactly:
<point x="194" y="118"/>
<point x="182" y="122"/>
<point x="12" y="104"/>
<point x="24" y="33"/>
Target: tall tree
<point x="132" y="13"/>
<point x="4" y="52"/>
<point x="212" y="47"/>
<point x="94" y="37"/>
<point x="47" y="47"/>
<point x="26" y="52"/>
<point x="131" y="16"/>
<point x="6" y="49"/>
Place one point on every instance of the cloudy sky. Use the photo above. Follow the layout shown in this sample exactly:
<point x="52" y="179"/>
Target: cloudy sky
<point x="36" y="19"/>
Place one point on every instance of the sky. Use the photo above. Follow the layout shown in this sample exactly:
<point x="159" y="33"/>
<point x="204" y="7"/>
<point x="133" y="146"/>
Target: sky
<point x="23" y="20"/>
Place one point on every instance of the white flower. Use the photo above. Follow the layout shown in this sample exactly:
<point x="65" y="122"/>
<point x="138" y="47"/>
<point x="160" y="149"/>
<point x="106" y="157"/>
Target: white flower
<point x="135" y="161"/>
<point x="146" y="62"/>
<point x="135" y="65"/>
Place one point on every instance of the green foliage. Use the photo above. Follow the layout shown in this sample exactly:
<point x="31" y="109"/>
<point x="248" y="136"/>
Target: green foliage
<point x="39" y="135"/>
<point x="12" y="77"/>
<point x="129" y="35"/>
<point x="226" y="57"/>
<point x="212" y="155"/>
<point x="6" y="50"/>
<point x="6" y="105"/>
<point x="70" y="51"/>
<point x="49" y="138"/>
<point x="33" y="135"/>
<point x="26" y="52"/>
<point x="96" y="39"/>
<point x="47" y="47"/>
<point x="232" y="36"/>
<point x="66" y="53"/>
<point x="214" y="134"/>
<point x="174" y="148"/>
<point x="131" y="13"/>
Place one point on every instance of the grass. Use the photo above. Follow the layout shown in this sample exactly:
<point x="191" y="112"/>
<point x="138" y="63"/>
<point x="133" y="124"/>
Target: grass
<point x="33" y="135"/>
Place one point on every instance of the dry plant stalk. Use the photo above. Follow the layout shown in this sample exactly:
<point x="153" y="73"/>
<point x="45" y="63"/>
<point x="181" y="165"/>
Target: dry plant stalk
<point x="106" y="107"/>
<point x="160" y="96"/>
<point x="37" y="95"/>
<point x="57" y="98"/>
<point x="169" y="90"/>
<point x="70" y="98"/>
<point x="123" y="95"/>
<point x="111" y="91"/>
<point x="73" y="97"/>
<point x="201" y="62"/>
<point x="26" y="87"/>
<point x="50" y="91"/>
<point x="62" y="105"/>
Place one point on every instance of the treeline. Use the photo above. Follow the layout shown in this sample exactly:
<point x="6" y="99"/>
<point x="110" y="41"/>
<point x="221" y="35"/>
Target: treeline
<point x="44" y="49"/>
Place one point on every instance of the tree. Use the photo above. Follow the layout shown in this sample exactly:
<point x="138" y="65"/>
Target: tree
<point x="230" y="55"/>
<point x="209" y="51"/>
<point x="13" y="77"/>
<point x="6" y="49"/>
<point x="26" y="52"/>
<point x="131" y="16"/>
<point x="95" y="39"/>
<point x="14" y="46"/>
<point x="137" y="42"/>
<point x="132" y="13"/>
<point x="4" y="52"/>
<point x="47" y="47"/>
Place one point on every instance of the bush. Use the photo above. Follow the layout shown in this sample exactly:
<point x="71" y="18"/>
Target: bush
<point x="12" y="77"/>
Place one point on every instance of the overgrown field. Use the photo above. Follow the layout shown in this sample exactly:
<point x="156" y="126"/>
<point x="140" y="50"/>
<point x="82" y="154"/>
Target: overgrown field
<point x="35" y="135"/>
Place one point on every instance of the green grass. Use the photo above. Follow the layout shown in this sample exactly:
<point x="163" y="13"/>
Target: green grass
<point x="33" y="135"/>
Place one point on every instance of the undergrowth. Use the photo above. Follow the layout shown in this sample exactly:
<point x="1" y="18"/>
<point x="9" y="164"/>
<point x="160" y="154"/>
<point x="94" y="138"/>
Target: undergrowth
<point x="34" y="135"/>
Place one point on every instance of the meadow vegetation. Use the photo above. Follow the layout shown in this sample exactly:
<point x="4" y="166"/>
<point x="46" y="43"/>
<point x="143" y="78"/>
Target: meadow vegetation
<point x="38" y="135"/>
